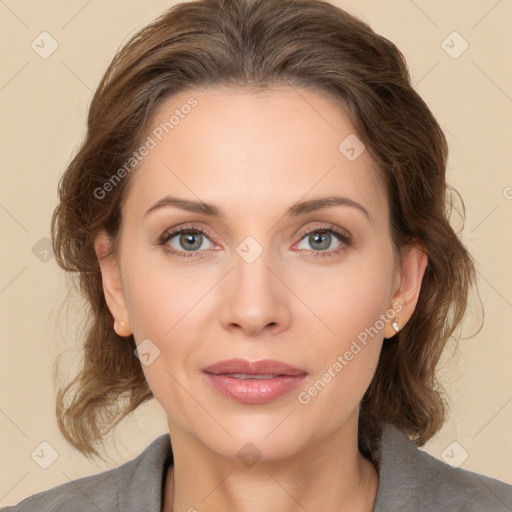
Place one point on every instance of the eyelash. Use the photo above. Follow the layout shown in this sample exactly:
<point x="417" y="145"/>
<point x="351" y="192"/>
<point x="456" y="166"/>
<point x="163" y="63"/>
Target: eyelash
<point x="342" y="237"/>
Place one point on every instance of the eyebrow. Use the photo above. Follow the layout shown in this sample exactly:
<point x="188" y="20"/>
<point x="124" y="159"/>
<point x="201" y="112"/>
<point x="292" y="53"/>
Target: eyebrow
<point x="297" y="209"/>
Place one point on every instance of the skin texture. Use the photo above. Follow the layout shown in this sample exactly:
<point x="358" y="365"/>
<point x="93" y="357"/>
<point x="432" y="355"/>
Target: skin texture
<point x="253" y="155"/>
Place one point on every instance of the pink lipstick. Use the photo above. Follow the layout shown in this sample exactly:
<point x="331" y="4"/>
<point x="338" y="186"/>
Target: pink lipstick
<point x="255" y="382"/>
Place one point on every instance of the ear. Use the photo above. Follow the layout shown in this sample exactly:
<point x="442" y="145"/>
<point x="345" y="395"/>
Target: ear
<point x="407" y="286"/>
<point x="112" y="285"/>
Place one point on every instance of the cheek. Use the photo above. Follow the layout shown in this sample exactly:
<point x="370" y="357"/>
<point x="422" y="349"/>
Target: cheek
<point x="159" y="295"/>
<point x="351" y="305"/>
<point x="166" y="305"/>
<point x="151" y="306"/>
<point x="349" y="299"/>
<point x="160" y="308"/>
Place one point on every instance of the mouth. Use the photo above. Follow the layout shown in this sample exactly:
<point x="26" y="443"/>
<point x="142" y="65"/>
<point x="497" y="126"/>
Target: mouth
<point x="255" y="382"/>
<point x="245" y="376"/>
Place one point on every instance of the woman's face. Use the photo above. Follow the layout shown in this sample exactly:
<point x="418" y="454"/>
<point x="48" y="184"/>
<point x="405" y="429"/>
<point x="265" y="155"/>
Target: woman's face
<point x="264" y="278"/>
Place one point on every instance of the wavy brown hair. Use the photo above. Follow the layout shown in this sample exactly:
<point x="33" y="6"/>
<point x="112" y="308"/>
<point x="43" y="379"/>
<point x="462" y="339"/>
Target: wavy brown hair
<point x="256" y="44"/>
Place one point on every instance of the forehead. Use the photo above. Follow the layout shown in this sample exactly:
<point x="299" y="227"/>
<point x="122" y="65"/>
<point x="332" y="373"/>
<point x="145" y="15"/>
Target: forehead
<point x="241" y="149"/>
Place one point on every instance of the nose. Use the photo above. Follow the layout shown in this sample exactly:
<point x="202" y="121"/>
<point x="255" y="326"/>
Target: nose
<point x="254" y="298"/>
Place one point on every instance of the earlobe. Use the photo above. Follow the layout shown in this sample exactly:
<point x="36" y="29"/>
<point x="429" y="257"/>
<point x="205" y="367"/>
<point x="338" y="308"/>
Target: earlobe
<point x="112" y="284"/>
<point x="122" y="329"/>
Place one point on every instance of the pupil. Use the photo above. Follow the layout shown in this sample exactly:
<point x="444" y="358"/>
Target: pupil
<point x="189" y="238"/>
<point x="321" y="237"/>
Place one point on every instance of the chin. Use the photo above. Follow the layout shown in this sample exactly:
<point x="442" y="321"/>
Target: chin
<point x="265" y="437"/>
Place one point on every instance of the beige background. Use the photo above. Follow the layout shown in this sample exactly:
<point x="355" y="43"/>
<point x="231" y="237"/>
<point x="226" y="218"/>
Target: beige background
<point x="44" y="104"/>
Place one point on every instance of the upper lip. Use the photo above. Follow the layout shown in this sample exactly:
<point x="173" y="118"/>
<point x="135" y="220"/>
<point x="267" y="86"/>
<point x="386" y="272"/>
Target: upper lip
<point x="261" y="367"/>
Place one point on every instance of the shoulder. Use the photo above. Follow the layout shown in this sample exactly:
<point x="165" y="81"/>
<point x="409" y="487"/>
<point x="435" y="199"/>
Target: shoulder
<point x="123" y="488"/>
<point x="411" y="479"/>
<point x="460" y="489"/>
<point x="88" y="493"/>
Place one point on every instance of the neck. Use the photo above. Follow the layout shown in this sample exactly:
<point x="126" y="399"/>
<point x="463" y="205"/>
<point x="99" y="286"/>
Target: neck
<point x="331" y="476"/>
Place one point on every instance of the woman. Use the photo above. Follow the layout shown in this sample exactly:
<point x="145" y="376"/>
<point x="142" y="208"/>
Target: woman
<point x="258" y="219"/>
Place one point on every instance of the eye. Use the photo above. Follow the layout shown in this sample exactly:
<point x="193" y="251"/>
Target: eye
<point x="185" y="241"/>
<point x="321" y="238"/>
<point x="190" y="241"/>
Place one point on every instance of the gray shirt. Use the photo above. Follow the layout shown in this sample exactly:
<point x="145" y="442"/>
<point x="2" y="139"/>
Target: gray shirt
<point x="410" y="481"/>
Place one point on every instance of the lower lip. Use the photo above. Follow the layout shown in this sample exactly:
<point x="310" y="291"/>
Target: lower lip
<point x="255" y="391"/>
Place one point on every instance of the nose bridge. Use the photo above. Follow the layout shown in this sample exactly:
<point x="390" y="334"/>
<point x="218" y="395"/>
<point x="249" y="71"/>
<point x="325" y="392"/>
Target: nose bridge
<point x="252" y="268"/>
<point x="254" y="296"/>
